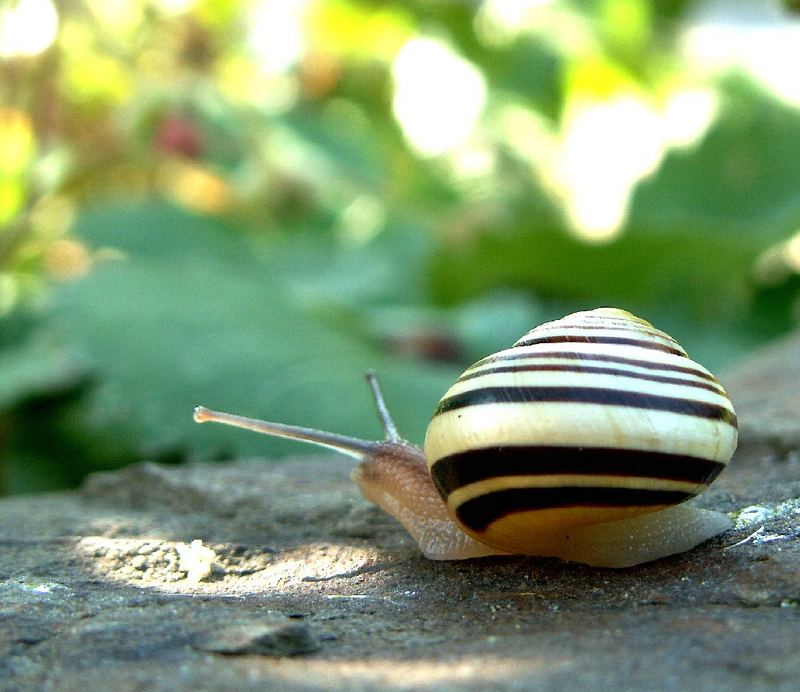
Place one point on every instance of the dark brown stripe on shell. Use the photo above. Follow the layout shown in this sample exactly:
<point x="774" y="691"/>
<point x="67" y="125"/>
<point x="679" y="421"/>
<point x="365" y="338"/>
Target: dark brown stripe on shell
<point x="617" y="340"/>
<point x="586" y="395"/>
<point x="597" y="357"/>
<point x="458" y="470"/>
<point x="480" y="512"/>
<point x="471" y="374"/>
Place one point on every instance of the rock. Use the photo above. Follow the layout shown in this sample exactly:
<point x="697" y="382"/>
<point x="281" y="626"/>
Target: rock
<point x="765" y="392"/>
<point x="281" y="638"/>
<point x="100" y="591"/>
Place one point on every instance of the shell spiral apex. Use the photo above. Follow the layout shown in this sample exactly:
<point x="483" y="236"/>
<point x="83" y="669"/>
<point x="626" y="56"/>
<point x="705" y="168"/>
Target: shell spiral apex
<point x="593" y="418"/>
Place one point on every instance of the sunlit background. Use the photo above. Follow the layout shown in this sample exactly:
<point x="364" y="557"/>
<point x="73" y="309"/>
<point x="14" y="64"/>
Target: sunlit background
<point x="247" y="204"/>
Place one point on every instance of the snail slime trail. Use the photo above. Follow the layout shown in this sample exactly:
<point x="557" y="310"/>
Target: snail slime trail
<point x="582" y="441"/>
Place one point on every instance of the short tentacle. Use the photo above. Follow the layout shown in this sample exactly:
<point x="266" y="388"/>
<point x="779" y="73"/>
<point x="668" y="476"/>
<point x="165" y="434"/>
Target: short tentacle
<point x="389" y="428"/>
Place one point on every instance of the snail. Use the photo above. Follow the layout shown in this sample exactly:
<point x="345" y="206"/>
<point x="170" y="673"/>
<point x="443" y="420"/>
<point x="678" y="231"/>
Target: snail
<point x="582" y="441"/>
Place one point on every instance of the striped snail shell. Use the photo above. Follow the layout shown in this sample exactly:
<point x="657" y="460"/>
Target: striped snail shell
<point x="581" y="441"/>
<point x="589" y="419"/>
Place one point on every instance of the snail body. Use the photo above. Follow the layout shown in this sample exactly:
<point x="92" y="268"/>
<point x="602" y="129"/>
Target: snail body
<point x="581" y="441"/>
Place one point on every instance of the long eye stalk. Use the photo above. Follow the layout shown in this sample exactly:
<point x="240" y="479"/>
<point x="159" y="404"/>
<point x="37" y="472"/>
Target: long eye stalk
<point x="353" y="446"/>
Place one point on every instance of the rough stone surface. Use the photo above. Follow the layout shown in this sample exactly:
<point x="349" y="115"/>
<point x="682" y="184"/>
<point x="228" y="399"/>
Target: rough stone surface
<point x="280" y="637"/>
<point x="196" y="577"/>
<point x="767" y="396"/>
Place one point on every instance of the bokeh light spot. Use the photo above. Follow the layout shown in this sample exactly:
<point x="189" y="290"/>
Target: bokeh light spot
<point x="27" y="28"/>
<point x="438" y="96"/>
<point x="609" y="146"/>
<point x="758" y="37"/>
<point x="277" y="38"/>
<point x="362" y="219"/>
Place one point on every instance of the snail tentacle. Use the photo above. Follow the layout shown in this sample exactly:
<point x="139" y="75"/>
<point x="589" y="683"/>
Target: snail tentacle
<point x="352" y="446"/>
<point x="389" y="427"/>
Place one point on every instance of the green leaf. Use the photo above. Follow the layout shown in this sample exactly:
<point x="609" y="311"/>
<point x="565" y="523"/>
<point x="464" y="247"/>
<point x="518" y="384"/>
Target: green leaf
<point x="192" y="315"/>
<point x="693" y="281"/>
<point x="740" y="180"/>
<point x="32" y="364"/>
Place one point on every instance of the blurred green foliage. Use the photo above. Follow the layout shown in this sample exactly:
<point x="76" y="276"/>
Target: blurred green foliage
<point x="248" y="204"/>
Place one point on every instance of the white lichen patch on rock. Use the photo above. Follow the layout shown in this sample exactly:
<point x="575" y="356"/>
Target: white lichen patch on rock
<point x="156" y="562"/>
<point x="198" y="561"/>
<point x="752" y="515"/>
<point x="758" y="514"/>
<point x="151" y="560"/>
<point x="133" y="560"/>
<point x="785" y="516"/>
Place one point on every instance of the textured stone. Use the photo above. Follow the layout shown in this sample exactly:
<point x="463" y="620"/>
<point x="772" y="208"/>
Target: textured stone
<point x="281" y="638"/>
<point x="765" y="391"/>
<point x="94" y="592"/>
